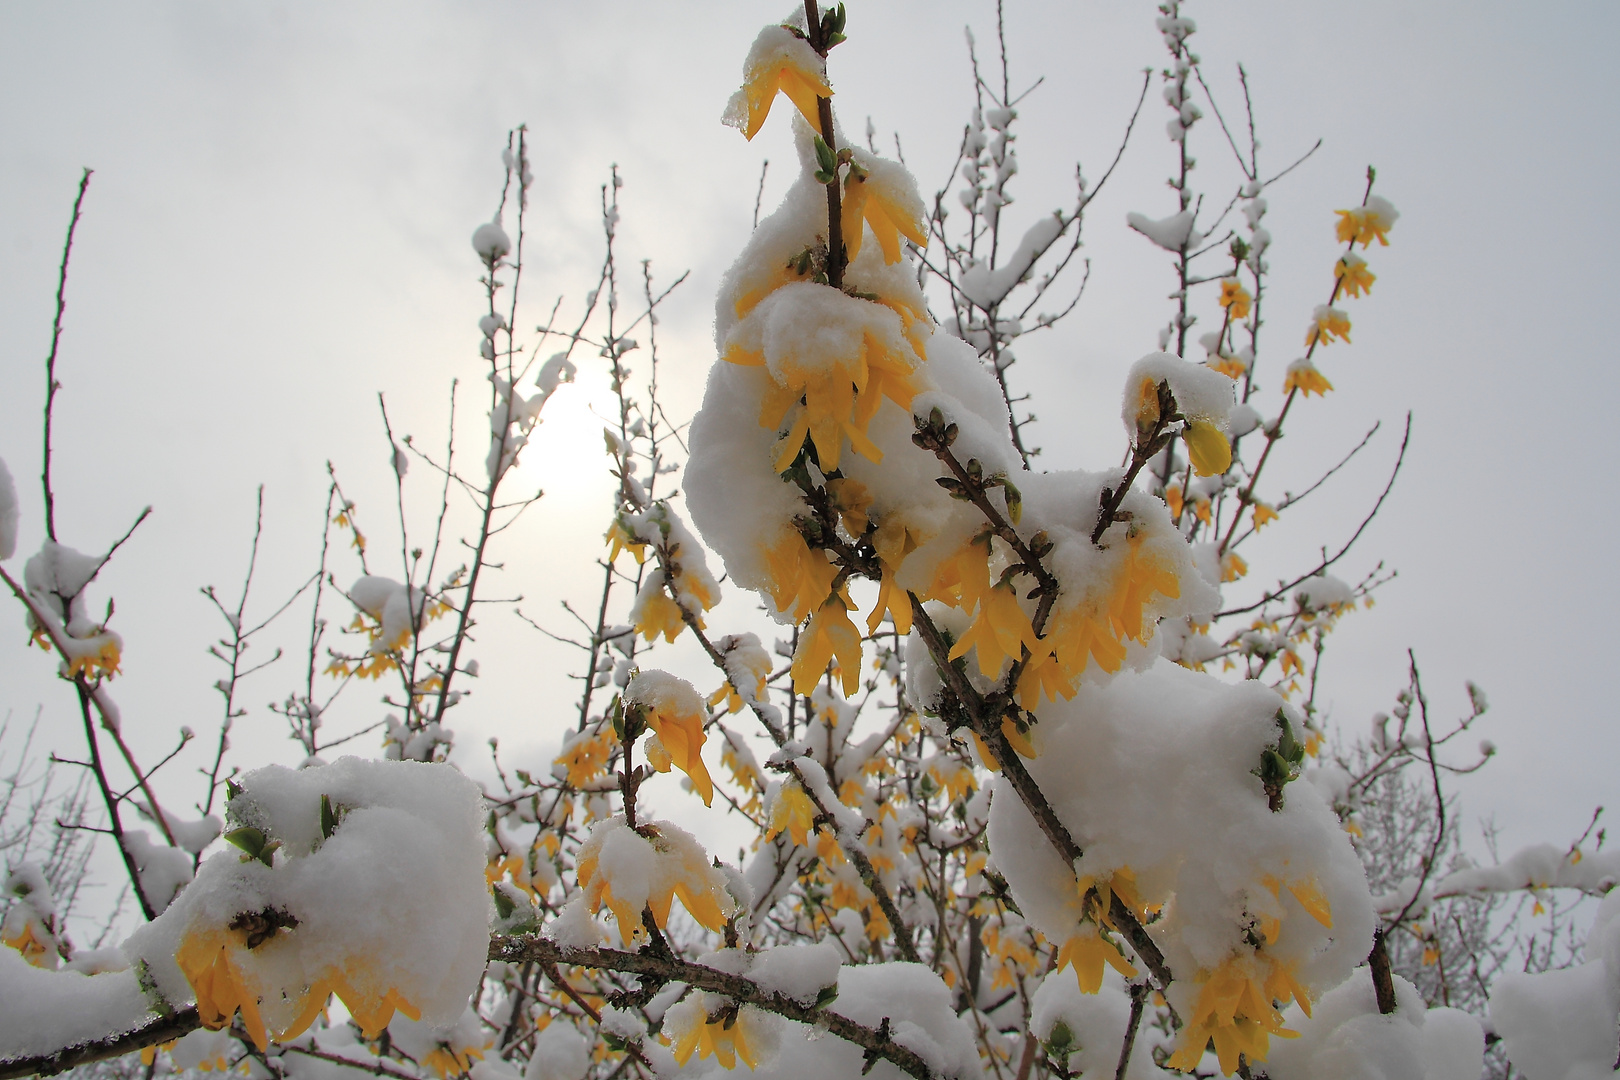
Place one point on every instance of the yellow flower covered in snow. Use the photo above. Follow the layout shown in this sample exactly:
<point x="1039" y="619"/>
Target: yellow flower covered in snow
<point x="1327" y="323"/>
<point x="693" y="881"/>
<point x="655" y="613"/>
<point x="794" y="812"/>
<point x="621" y="539"/>
<point x="1353" y="276"/>
<point x="681" y="734"/>
<point x="26" y="941"/>
<point x="1367" y="223"/>
<point x="587" y="758"/>
<point x="1235" y="298"/>
<point x="1233" y="566"/>
<point x="790" y="68"/>
<point x="883" y="209"/>
<point x="830" y="633"/>
<point x="1263" y="514"/>
<point x="1303" y="376"/>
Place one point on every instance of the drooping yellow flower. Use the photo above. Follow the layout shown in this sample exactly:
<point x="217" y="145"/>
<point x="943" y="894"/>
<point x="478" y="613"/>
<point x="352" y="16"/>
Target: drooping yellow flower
<point x="1263" y="514"/>
<point x="95" y="658"/>
<point x="656" y="614"/>
<point x="206" y="958"/>
<point x="691" y="880"/>
<point x="1087" y="951"/>
<point x="835" y="401"/>
<point x="25" y="940"/>
<point x="791" y="71"/>
<point x="1235" y="298"/>
<point x="882" y="209"/>
<point x="1043" y="677"/>
<point x="726" y="1037"/>
<point x="446" y="1060"/>
<point x="681" y="736"/>
<point x="850" y="501"/>
<point x="801" y="579"/>
<point x="999" y="632"/>
<point x="1232" y="366"/>
<point x="1327" y="323"/>
<point x="1367" y="223"/>
<point x="1236" y="1011"/>
<point x="830" y="633"/>
<point x="1175" y="500"/>
<point x="794" y="812"/>
<point x="1303" y="376"/>
<point x="586" y="759"/>
<point x="622" y="539"/>
<point x="1207" y="447"/>
<point x="1353" y="276"/>
<point x="1233" y="566"/>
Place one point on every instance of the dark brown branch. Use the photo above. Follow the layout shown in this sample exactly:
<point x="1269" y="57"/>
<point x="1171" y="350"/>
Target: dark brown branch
<point x="159" y="1029"/>
<point x="1382" y="978"/>
<point x="875" y="1041"/>
<point x="51" y="385"/>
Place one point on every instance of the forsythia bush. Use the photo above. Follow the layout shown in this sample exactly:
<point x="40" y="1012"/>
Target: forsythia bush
<point x="1027" y="792"/>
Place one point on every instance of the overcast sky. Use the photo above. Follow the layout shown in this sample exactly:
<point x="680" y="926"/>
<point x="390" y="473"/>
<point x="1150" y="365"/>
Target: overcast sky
<point x="278" y="230"/>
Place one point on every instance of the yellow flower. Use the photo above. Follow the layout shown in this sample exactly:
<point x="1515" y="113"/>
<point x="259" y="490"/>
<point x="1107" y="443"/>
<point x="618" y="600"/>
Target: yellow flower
<point x="1235" y="298"/>
<point x="1087" y="951"/>
<point x="1000" y="631"/>
<point x="1367" y="223"/>
<point x="1201" y="509"/>
<point x="801" y="579"/>
<point x="1175" y="500"/>
<point x="1327" y="323"/>
<point x="621" y="539"/>
<point x="1233" y="566"/>
<point x="694" y="885"/>
<point x="1043" y="677"/>
<point x="1208" y="447"/>
<point x="1233" y="367"/>
<point x="1263" y="514"/>
<point x="1353" y="276"/>
<point x="446" y="1060"/>
<point x="784" y="71"/>
<point x="1235" y="1009"/>
<point x="837" y="401"/>
<point x="33" y="948"/>
<point x="850" y="501"/>
<point x="830" y="633"/>
<point x="725" y="1037"/>
<point x="206" y="959"/>
<point x="884" y="211"/>
<point x="657" y="614"/>
<point x="1304" y="377"/>
<point x="95" y="657"/>
<point x="586" y="759"/>
<point x="794" y="812"/>
<point x="681" y="736"/>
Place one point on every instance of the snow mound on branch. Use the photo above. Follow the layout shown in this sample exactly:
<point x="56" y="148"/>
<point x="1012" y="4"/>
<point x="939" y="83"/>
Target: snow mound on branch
<point x="394" y="898"/>
<point x="1095" y="1027"/>
<point x="1345" y="1038"/>
<point x="914" y="1001"/>
<point x="9" y="513"/>
<point x="42" y="1011"/>
<point x="1560" y="1025"/>
<point x="1156" y="772"/>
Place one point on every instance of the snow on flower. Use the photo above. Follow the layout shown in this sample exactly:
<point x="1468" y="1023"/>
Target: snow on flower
<point x="676" y="714"/>
<point x="780" y="61"/>
<point x="362" y="879"/>
<point x="629" y="871"/>
<point x="1367" y="223"/>
<point x="1303" y="377"/>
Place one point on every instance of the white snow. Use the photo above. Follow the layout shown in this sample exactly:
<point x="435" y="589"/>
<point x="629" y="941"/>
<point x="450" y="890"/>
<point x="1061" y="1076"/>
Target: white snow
<point x="9" y="513"/>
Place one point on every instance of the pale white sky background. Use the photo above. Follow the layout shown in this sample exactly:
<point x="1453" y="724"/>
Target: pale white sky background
<point x="278" y="229"/>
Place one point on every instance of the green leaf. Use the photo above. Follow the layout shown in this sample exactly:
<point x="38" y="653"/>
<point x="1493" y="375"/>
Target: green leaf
<point x="503" y="904"/>
<point x="826" y="996"/>
<point x="247" y="838"/>
<point x="329" y="818"/>
<point x="825" y="158"/>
